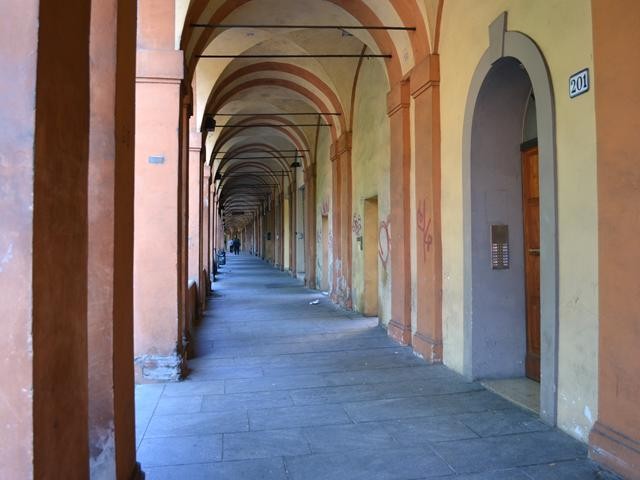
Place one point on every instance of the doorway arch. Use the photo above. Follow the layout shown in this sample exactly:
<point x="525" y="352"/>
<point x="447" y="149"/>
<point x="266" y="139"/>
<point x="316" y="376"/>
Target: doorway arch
<point x="509" y="55"/>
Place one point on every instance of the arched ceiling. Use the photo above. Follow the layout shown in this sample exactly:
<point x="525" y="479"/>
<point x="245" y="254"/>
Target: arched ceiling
<point x="268" y="111"/>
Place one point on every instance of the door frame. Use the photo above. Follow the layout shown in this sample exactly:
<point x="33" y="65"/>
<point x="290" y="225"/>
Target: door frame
<point x="504" y="43"/>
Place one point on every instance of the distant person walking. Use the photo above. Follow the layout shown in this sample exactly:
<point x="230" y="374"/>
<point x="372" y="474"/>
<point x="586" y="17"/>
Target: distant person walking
<point x="236" y="246"/>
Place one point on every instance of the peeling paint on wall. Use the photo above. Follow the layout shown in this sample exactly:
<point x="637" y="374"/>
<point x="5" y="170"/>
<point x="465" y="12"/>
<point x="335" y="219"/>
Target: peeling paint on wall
<point x="103" y="453"/>
<point x="6" y="258"/>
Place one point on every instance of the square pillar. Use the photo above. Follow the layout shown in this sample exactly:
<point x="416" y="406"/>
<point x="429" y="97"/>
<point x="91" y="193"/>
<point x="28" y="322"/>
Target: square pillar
<point x="310" y="219"/>
<point x="195" y="189"/>
<point x="425" y="89"/>
<point x="398" y="103"/>
<point x="158" y="335"/>
<point x="341" y="220"/>
<point x="204" y="230"/>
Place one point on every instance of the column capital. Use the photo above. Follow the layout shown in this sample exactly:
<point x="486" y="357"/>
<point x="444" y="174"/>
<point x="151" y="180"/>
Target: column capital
<point x="195" y="142"/>
<point x="187" y="97"/>
<point x="341" y="145"/>
<point x="159" y="66"/>
<point x="425" y="75"/>
<point x="398" y="97"/>
<point x="309" y="173"/>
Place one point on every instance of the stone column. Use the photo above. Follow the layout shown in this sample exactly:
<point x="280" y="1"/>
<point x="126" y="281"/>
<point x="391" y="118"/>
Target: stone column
<point x="398" y="103"/>
<point x="425" y="85"/>
<point x="158" y="339"/>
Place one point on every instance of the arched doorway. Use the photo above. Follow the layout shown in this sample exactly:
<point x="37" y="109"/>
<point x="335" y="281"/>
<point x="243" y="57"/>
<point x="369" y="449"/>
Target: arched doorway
<point x="510" y="218"/>
<point x="498" y="279"/>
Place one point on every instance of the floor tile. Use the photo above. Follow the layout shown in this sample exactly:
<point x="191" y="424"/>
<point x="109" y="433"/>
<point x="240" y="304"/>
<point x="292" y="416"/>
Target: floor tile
<point x="291" y="417"/>
<point x="155" y="452"/>
<point x="342" y="438"/>
<point x="476" y="455"/>
<point x="197" y="424"/>
<point x="260" y="469"/>
<point x="269" y="443"/>
<point x="367" y="465"/>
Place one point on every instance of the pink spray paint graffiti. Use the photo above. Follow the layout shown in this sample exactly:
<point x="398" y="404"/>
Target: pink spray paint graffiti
<point x="384" y="242"/>
<point x="424" y="226"/>
<point x="325" y="208"/>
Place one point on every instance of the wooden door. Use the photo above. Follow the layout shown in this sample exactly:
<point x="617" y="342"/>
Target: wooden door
<point x="531" y="213"/>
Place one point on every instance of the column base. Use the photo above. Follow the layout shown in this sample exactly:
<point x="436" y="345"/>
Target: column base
<point x="159" y="368"/>
<point x="427" y="347"/>
<point x="615" y="451"/>
<point x="137" y="474"/>
<point x="399" y="332"/>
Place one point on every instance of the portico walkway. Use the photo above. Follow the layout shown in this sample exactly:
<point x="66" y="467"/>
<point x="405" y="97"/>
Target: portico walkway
<point x="281" y="389"/>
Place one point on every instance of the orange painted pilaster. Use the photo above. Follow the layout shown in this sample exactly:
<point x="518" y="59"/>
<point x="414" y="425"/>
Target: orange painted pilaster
<point x="399" y="173"/>
<point x="183" y="221"/>
<point x="341" y="220"/>
<point x="615" y="438"/>
<point x="310" y="219"/>
<point x="205" y="229"/>
<point x="281" y="230"/>
<point x="215" y="227"/>
<point x="293" y="192"/>
<point x="425" y="89"/>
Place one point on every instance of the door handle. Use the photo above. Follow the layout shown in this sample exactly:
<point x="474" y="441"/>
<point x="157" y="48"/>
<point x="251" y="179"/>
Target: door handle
<point x="534" y="251"/>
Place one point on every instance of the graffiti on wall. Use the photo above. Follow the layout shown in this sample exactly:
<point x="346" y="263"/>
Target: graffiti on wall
<point x="342" y="292"/>
<point x="324" y="209"/>
<point x="424" y="226"/>
<point x="384" y="242"/>
<point x="356" y="224"/>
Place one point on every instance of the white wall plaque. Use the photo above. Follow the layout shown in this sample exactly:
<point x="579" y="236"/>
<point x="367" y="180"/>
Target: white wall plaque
<point x="579" y="83"/>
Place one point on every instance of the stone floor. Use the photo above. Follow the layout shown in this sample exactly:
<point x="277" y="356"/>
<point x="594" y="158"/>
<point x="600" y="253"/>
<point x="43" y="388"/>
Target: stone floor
<point x="521" y="391"/>
<point x="282" y="389"/>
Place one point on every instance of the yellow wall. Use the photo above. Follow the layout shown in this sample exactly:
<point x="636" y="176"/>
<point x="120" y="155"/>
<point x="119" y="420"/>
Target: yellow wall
<point x="562" y="30"/>
<point x="370" y="170"/>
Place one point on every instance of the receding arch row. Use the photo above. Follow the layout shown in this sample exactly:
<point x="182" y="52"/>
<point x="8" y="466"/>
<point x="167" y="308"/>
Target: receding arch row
<point x="298" y="139"/>
<point x="303" y="73"/>
<point x="196" y="41"/>
<point x="230" y="157"/>
<point x="320" y="105"/>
